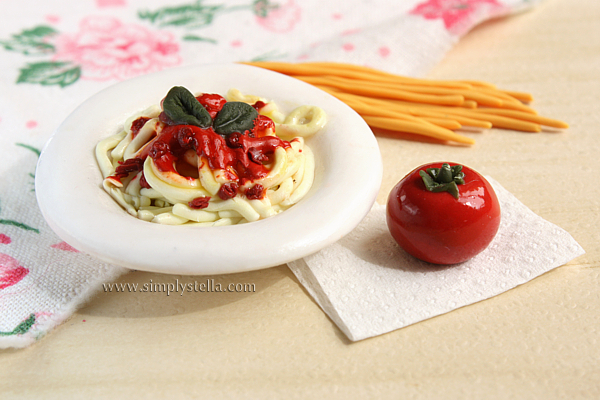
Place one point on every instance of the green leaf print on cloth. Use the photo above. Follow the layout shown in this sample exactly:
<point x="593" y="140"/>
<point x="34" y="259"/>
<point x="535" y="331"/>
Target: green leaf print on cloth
<point x="22" y="328"/>
<point x="195" y="15"/>
<point x="31" y="41"/>
<point x="50" y="73"/>
<point x="37" y="41"/>
<point x="10" y="222"/>
<point x="17" y="224"/>
<point x="199" y="15"/>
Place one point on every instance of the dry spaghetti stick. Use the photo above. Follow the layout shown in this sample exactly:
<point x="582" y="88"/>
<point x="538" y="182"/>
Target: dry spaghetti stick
<point x="479" y="97"/>
<point x="407" y="124"/>
<point x="505" y="99"/>
<point x="385" y="93"/>
<point x="420" y="111"/>
<point x="393" y="77"/>
<point x="497" y="93"/>
<point x="525" y="117"/>
<point x="416" y="127"/>
<point x="442" y="122"/>
<point x="479" y="84"/>
<point x="469" y="104"/>
<point x="305" y="69"/>
<point x="349" y="71"/>
<point x="518" y="107"/>
<point x="356" y="103"/>
<point x="487" y="120"/>
<point x="497" y="121"/>
<point x="369" y="90"/>
<point x="524" y="97"/>
<point x="365" y="109"/>
<point x="466" y="121"/>
<point x="508" y="101"/>
<point x="446" y="122"/>
<point x="424" y="110"/>
<point x="511" y="96"/>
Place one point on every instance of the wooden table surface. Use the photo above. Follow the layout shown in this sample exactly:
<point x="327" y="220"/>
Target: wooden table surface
<point x="540" y="340"/>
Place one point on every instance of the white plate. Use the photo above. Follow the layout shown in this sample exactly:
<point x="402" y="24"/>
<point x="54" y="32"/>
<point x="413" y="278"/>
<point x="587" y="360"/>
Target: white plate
<point x="69" y="184"/>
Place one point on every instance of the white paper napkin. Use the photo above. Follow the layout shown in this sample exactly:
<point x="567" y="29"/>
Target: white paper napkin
<point x="369" y="286"/>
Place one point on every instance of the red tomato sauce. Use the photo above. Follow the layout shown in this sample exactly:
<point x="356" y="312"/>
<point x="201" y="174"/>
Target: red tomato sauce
<point x="244" y="154"/>
<point x="212" y="102"/>
<point x="137" y="125"/>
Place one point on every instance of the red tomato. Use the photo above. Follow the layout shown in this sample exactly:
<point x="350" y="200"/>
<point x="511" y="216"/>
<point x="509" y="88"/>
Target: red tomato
<point x="437" y="227"/>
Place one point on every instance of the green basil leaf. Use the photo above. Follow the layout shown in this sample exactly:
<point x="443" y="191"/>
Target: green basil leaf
<point x="183" y="109"/>
<point x="235" y="116"/>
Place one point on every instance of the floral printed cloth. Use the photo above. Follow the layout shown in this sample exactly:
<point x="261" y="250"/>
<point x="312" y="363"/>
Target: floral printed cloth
<point x="57" y="54"/>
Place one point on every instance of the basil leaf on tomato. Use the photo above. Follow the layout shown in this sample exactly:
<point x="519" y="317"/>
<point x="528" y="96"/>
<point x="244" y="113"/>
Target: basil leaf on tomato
<point x="183" y="109"/>
<point x="235" y="116"/>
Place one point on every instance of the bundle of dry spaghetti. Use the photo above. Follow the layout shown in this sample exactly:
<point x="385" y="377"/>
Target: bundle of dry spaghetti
<point x="431" y="108"/>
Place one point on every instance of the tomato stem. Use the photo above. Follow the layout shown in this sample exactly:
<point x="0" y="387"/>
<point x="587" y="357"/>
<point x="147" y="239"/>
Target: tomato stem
<point x="444" y="179"/>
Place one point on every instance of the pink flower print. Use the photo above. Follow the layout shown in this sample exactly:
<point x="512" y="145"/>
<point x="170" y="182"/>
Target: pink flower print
<point x="10" y="271"/>
<point x="4" y="239"/>
<point x="65" y="247"/>
<point x="348" y="46"/>
<point x="51" y="18"/>
<point x="352" y="31"/>
<point x="384" y="51"/>
<point x="279" y="18"/>
<point x="107" y="49"/>
<point x="110" y="3"/>
<point x="458" y="15"/>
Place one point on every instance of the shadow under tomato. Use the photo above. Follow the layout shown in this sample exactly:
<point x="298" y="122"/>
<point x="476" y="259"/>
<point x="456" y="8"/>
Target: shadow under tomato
<point x="385" y="252"/>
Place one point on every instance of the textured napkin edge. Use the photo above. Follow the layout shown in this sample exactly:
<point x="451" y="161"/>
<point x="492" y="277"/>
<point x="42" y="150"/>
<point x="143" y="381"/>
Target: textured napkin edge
<point x="63" y="313"/>
<point x="581" y="251"/>
<point x="310" y="282"/>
